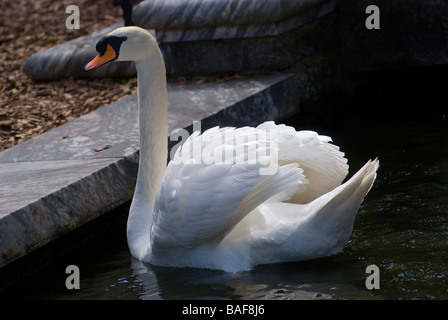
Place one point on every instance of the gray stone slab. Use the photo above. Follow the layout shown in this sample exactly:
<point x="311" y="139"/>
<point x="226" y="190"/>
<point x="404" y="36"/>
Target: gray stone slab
<point x="46" y="199"/>
<point x="55" y="182"/>
<point x="27" y="182"/>
<point x="191" y="20"/>
<point x="198" y="32"/>
<point x="257" y="54"/>
<point x="113" y="127"/>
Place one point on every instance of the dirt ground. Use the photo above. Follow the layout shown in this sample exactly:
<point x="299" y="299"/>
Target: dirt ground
<point x="29" y="108"/>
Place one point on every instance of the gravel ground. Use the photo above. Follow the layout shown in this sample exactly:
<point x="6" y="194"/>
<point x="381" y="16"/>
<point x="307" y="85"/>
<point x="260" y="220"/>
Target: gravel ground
<point x="29" y="108"/>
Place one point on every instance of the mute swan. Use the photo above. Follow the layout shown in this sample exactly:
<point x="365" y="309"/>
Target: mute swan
<point x="227" y="214"/>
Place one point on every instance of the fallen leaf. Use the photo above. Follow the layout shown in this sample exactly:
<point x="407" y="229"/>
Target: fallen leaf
<point x="103" y="148"/>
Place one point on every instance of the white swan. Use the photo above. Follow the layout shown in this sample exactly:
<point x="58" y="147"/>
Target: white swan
<point x="228" y="214"/>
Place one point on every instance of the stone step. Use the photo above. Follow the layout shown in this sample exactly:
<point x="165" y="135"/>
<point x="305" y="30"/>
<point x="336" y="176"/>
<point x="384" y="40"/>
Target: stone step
<point x="206" y="37"/>
<point x="58" y="181"/>
<point x="193" y="20"/>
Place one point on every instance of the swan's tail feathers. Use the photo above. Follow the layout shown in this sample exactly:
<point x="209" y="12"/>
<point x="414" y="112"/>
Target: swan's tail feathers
<point x="324" y="164"/>
<point x="341" y="205"/>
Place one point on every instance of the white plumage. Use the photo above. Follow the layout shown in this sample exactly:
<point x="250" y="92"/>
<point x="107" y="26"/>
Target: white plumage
<point x="233" y="198"/>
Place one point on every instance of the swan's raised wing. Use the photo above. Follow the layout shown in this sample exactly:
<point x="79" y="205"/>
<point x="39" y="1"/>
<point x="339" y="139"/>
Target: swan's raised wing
<point x="324" y="165"/>
<point x="209" y="187"/>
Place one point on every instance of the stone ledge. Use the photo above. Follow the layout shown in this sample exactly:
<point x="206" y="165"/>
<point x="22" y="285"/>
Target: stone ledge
<point x="56" y="182"/>
<point x="191" y="20"/>
<point x="258" y="39"/>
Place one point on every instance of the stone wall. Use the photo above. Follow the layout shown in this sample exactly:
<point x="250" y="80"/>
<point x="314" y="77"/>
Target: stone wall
<point x="249" y="37"/>
<point x="324" y="42"/>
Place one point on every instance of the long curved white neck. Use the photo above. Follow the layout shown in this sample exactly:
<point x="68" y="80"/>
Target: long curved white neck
<point x="153" y="126"/>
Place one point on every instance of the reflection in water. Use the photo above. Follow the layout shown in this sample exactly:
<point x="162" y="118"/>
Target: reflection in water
<point x="317" y="280"/>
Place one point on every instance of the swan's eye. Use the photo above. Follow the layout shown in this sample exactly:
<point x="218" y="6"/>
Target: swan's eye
<point x="115" y="42"/>
<point x="101" y="46"/>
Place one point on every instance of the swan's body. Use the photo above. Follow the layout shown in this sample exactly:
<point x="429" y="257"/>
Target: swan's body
<point x="280" y="201"/>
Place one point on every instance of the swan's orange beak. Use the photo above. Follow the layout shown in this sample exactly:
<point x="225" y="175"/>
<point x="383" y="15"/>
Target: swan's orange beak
<point x="101" y="59"/>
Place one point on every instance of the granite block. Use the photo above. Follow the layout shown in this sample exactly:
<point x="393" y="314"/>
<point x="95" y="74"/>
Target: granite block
<point x="256" y="54"/>
<point x="46" y="199"/>
<point x="113" y="127"/>
<point x="191" y="20"/>
<point x="197" y="37"/>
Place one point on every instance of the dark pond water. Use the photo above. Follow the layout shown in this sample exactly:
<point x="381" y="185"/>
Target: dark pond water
<point x="402" y="226"/>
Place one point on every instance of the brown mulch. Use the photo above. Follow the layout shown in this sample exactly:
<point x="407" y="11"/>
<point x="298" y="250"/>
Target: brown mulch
<point x="29" y="108"/>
